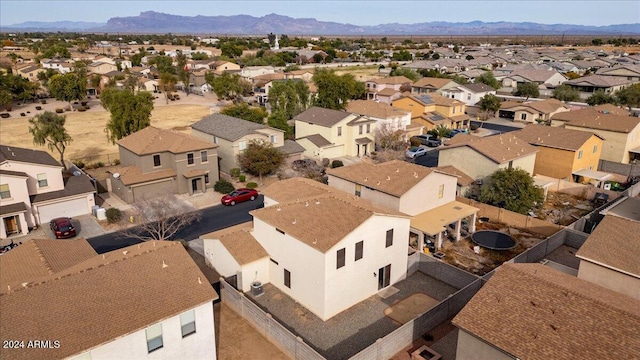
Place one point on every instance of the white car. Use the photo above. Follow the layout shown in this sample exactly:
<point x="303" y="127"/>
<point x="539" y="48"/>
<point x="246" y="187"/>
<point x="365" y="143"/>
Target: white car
<point x="414" y="152"/>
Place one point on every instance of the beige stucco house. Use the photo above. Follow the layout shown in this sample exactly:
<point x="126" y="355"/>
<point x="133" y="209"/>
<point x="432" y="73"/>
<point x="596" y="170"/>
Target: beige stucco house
<point x="532" y="111"/>
<point x="392" y="85"/>
<point x="431" y="110"/>
<point x="155" y="161"/>
<point x="427" y="85"/>
<point x="387" y="117"/>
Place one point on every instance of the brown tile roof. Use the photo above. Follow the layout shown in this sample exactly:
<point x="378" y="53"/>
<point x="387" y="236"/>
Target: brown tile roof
<point x="436" y="83"/>
<point x="241" y="245"/>
<point x="614" y="243"/>
<point x="194" y="173"/>
<point x="534" y="312"/>
<point x="317" y="140"/>
<point x="554" y="137"/>
<point x="131" y="175"/>
<point x="611" y="109"/>
<point x="387" y="92"/>
<point x="151" y="140"/>
<point x="499" y="148"/>
<point x="392" y="177"/>
<point x="90" y="304"/>
<point x="375" y="109"/>
<point x="463" y="179"/>
<point x="321" y="116"/>
<point x="604" y="81"/>
<point x="316" y="214"/>
<point x="592" y="119"/>
<point x="546" y="106"/>
<point x="39" y="258"/>
<point x="14" y="153"/>
<point x="433" y="98"/>
<point x="393" y="80"/>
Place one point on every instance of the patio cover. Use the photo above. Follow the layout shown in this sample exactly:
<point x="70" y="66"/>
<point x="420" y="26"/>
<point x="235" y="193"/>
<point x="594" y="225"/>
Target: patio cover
<point x="635" y="150"/>
<point x="592" y="174"/>
<point x="436" y="220"/>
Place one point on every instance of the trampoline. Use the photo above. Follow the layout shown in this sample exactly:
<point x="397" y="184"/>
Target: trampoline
<point x="494" y="240"/>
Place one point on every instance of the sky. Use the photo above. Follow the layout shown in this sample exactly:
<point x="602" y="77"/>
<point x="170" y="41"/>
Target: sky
<point x="369" y="12"/>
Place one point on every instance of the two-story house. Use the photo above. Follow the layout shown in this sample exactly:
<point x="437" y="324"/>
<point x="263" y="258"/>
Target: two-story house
<point x="155" y="161"/>
<point x="326" y="271"/>
<point x="100" y="67"/>
<point x="33" y="191"/>
<point x="469" y="94"/>
<point x="326" y="133"/>
<point x="431" y="110"/>
<point x="145" y="301"/>
<point x="564" y="153"/>
<point x="426" y="194"/>
<point x="588" y="85"/>
<point x="548" y="78"/>
<point x="428" y="85"/>
<point x="532" y="111"/>
<point x="386" y="116"/>
<point x="389" y="88"/>
<point x="232" y="135"/>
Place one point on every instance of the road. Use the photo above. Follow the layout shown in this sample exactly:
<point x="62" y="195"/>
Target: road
<point x="212" y="219"/>
<point x="496" y="127"/>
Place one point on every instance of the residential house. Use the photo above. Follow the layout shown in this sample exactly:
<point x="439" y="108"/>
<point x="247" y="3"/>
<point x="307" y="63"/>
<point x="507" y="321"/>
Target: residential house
<point x="629" y="72"/>
<point x="426" y="194"/>
<point x="152" y="302"/>
<point x="464" y="181"/>
<point x="233" y="135"/>
<point x="531" y="111"/>
<point x="325" y="271"/>
<point x="63" y="66"/>
<point x="609" y="257"/>
<point x="621" y="133"/>
<point x="588" y="85"/>
<point x="469" y="94"/>
<point x="386" y="116"/>
<point x="220" y="67"/>
<point x="262" y="85"/>
<point x="249" y="72"/>
<point x="430" y="85"/>
<point x="326" y="133"/>
<point x="480" y="157"/>
<point x="100" y="67"/>
<point x="432" y="109"/>
<point x="34" y="190"/>
<point x="531" y="311"/>
<point x="30" y="72"/>
<point x="543" y="78"/>
<point x="155" y="161"/>
<point x="394" y="84"/>
<point x="305" y="75"/>
<point x="564" y="153"/>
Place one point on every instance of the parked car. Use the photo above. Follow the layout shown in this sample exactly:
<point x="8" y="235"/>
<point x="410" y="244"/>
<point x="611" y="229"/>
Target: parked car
<point x="238" y="196"/>
<point x="414" y="152"/>
<point x="62" y="228"/>
<point x="428" y="140"/>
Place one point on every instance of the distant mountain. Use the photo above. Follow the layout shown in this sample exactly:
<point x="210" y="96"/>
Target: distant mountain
<point x="155" y="22"/>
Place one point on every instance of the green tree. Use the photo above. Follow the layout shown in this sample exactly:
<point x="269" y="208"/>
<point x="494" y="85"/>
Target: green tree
<point x="629" y="96"/>
<point x="406" y="72"/>
<point x="246" y="112"/>
<point x="260" y="158"/>
<point x="6" y="98"/>
<point x="278" y="121"/>
<point x="167" y="83"/>
<point x="129" y="112"/>
<point x="402" y="55"/>
<point x="440" y="132"/>
<point x="566" y="93"/>
<point x="228" y="86"/>
<point x="289" y="98"/>
<point x="527" y="90"/>
<point x="163" y="63"/>
<point x="68" y="87"/>
<point x="56" y="51"/>
<point x="488" y="79"/>
<point x="490" y="103"/>
<point x="334" y="91"/>
<point x="231" y="51"/>
<point x="512" y="189"/>
<point x="45" y="76"/>
<point x="48" y="128"/>
<point x="600" y="97"/>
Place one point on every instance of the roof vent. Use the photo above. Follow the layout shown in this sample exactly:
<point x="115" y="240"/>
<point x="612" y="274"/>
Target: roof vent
<point x="317" y="201"/>
<point x="164" y="264"/>
<point x="199" y="280"/>
<point x="294" y="221"/>
<point x="378" y="183"/>
<point x="315" y="241"/>
<point x="397" y="169"/>
<point x="24" y="284"/>
<point x="388" y="178"/>
<point x="306" y="203"/>
<point x="366" y="179"/>
<point x="125" y="252"/>
<point x="415" y="174"/>
<point x="278" y="208"/>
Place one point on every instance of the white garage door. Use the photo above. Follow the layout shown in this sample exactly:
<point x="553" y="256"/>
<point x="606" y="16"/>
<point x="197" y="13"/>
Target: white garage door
<point x="69" y="208"/>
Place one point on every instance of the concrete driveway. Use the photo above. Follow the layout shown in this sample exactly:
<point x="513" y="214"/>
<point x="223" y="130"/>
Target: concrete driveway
<point x="86" y="226"/>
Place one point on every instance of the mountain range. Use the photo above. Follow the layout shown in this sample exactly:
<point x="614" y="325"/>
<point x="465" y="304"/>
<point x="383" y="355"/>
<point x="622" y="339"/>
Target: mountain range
<point x="155" y="22"/>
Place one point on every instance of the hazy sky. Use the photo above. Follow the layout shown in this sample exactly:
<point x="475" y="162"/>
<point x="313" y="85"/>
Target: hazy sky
<point x="364" y="12"/>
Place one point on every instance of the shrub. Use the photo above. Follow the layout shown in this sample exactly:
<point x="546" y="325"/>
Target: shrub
<point x="474" y="127"/>
<point x="59" y="110"/>
<point x="82" y="109"/>
<point x="43" y="101"/>
<point x="113" y="215"/>
<point x="252" y="185"/>
<point x="116" y="162"/>
<point x="336" y="164"/>
<point x="235" y="172"/>
<point x="414" y="142"/>
<point x="242" y="178"/>
<point x="223" y="187"/>
<point x="99" y="164"/>
<point x="325" y="162"/>
<point x="79" y="164"/>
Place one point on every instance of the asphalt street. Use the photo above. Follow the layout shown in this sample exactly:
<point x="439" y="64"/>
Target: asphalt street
<point x="496" y="127"/>
<point x="212" y="219"/>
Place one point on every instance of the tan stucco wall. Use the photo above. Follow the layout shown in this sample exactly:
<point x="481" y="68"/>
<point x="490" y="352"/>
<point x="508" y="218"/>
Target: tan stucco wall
<point x="590" y="158"/>
<point x="472" y="348"/>
<point x="468" y="161"/>
<point x="555" y="163"/>
<point x="610" y="279"/>
<point x="616" y="145"/>
<point x="424" y="196"/>
<point x="413" y="106"/>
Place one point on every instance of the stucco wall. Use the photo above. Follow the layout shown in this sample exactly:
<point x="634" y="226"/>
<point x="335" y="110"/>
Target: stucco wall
<point x="53" y="173"/>
<point x="616" y="145"/>
<point x="468" y="161"/>
<point x="555" y="163"/>
<point x="472" y="348"/>
<point x="424" y="196"/>
<point x="610" y="279"/>
<point x="19" y="193"/>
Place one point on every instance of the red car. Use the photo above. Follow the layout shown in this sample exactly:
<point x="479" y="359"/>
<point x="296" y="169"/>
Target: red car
<point x="238" y="196"/>
<point x="62" y="228"/>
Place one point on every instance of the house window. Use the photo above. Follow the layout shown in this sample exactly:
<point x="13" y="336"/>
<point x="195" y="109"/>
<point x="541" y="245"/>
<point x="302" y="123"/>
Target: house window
<point x="511" y="164"/>
<point x="359" y="250"/>
<point x="339" y="130"/>
<point x="469" y="96"/>
<point x="206" y="178"/>
<point x="440" y="191"/>
<point x="5" y="193"/>
<point x="42" y="180"/>
<point x="190" y="159"/>
<point x="580" y="154"/>
<point x="215" y="140"/>
<point x="368" y="128"/>
<point x="154" y="337"/>
<point x="454" y="110"/>
<point x="287" y="278"/>
<point x="274" y="139"/>
<point x="595" y="148"/>
<point x="242" y="145"/>
<point x="523" y="116"/>
<point x="389" y="241"/>
<point x="188" y="323"/>
<point x="358" y="189"/>
<point x="156" y="160"/>
<point x="340" y="258"/>
<point x="204" y="157"/>
<point x="360" y="130"/>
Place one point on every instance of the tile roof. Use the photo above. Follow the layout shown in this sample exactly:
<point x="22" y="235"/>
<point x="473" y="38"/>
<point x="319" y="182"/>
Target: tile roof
<point x="388" y="92"/>
<point x="540" y="76"/>
<point x="151" y="140"/>
<point x="611" y="109"/>
<point x="13" y="153"/>
<point x="436" y="83"/>
<point x="534" y="312"/>
<point x="546" y="106"/>
<point x="499" y="148"/>
<point x="131" y="175"/>
<point x="599" y="81"/>
<point x="614" y="243"/>
<point x="291" y="147"/>
<point x="38" y="258"/>
<point x="89" y="304"/>
<point x="554" y="137"/>
<point x="241" y="245"/>
<point x="392" y="177"/>
<point x="478" y="87"/>
<point x="463" y="179"/>
<point x="13" y="208"/>
<point x="73" y="185"/>
<point x="592" y="119"/>
<point x="393" y="80"/>
<point x="433" y="98"/>
<point x="316" y="214"/>
<point x="323" y="117"/>
<point x="317" y="140"/>
<point x="227" y="127"/>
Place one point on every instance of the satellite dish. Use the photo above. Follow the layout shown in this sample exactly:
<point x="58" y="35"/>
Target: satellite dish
<point x="77" y="173"/>
<point x="116" y="175"/>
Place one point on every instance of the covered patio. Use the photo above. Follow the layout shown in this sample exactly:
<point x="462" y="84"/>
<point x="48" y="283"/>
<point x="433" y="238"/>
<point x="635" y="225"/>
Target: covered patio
<point x="598" y="176"/>
<point x="434" y="223"/>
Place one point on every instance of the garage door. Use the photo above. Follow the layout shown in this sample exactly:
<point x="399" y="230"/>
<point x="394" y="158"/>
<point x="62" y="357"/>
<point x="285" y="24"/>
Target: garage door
<point x="150" y="191"/>
<point x="69" y="208"/>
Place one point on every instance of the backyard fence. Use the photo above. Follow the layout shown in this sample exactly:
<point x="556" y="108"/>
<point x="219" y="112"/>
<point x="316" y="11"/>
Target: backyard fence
<point x="583" y="191"/>
<point x="92" y="160"/>
<point x="619" y="168"/>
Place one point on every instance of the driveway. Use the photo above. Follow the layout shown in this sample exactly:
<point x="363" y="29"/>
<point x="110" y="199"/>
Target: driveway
<point x="86" y="227"/>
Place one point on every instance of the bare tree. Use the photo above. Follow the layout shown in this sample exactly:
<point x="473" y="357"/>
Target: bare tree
<point x="162" y="217"/>
<point x="388" y="138"/>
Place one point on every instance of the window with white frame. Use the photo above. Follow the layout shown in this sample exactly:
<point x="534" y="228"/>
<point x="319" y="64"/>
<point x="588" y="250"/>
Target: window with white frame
<point x="154" y="337"/>
<point x="360" y="130"/>
<point x="440" y="191"/>
<point x="5" y="193"/>
<point x="204" y="157"/>
<point x="339" y="130"/>
<point x="523" y="116"/>
<point x="156" y="160"/>
<point x="274" y="139"/>
<point x="368" y="128"/>
<point x="188" y="323"/>
<point x="42" y="180"/>
<point x="595" y="148"/>
<point x="242" y="145"/>
<point x="190" y="160"/>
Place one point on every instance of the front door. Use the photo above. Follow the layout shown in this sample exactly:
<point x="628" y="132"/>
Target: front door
<point x="384" y="276"/>
<point x="195" y="184"/>
<point x="11" y="225"/>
